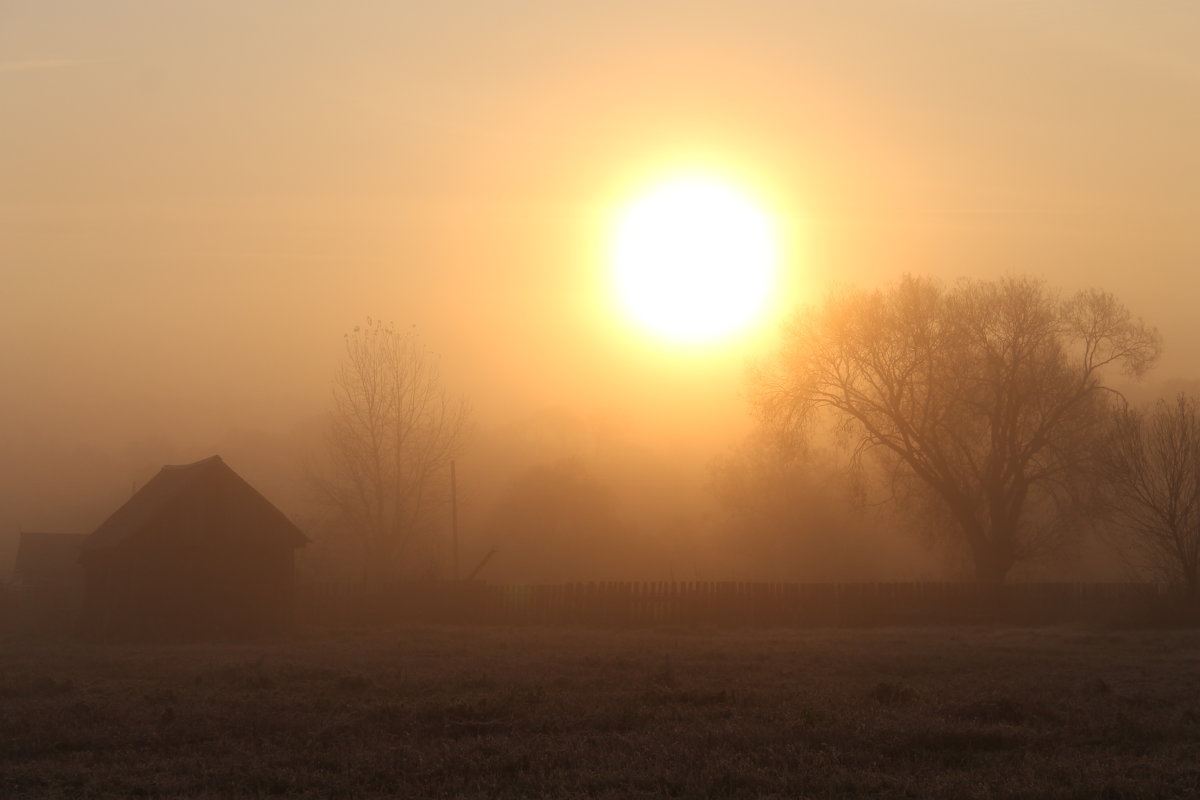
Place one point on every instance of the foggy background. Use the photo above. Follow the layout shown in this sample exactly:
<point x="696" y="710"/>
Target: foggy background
<point x="197" y="201"/>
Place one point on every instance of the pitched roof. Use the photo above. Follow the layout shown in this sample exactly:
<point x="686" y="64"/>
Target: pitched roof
<point x="47" y="555"/>
<point x="209" y="482"/>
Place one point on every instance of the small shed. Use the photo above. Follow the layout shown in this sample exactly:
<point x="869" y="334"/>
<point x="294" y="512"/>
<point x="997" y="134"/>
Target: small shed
<point x="48" y="581"/>
<point x="197" y="551"/>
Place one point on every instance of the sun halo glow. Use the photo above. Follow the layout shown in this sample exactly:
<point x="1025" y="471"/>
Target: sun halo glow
<point x="693" y="259"/>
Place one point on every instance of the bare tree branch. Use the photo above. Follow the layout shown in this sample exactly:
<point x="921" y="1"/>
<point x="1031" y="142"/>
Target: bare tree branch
<point x="392" y="433"/>
<point x="1152" y="462"/>
<point x="988" y="395"/>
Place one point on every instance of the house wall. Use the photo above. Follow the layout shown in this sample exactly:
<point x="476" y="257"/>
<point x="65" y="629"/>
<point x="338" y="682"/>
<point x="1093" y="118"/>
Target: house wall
<point x="189" y="592"/>
<point x="47" y="606"/>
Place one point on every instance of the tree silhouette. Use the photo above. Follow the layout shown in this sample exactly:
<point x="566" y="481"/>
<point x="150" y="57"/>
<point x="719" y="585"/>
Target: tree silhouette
<point x="1152" y="461"/>
<point x="986" y="395"/>
<point x="392" y="433"/>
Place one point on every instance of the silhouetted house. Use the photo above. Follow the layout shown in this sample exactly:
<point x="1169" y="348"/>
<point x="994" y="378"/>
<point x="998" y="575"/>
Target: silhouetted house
<point x="196" y="551"/>
<point x="48" y="581"/>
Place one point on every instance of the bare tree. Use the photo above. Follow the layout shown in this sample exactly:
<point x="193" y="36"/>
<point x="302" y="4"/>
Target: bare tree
<point x="393" y="431"/>
<point x="987" y="396"/>
<point x="1152" y="462"/>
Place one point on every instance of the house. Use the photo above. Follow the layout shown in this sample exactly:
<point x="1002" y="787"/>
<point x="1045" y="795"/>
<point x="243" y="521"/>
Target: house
<point x="197" y="551"/>
<point x="48" y="581"/>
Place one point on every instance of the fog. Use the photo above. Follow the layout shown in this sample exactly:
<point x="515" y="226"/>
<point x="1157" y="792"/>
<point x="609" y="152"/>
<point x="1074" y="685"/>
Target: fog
<point x="198" y="201"/>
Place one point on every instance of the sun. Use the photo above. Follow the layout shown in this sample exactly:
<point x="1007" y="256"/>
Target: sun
<point x="693" y="258"/>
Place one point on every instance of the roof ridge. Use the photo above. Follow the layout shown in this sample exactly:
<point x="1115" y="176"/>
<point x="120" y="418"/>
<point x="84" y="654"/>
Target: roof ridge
<point x="193" y="464"/>
<point x="173" y="484"/>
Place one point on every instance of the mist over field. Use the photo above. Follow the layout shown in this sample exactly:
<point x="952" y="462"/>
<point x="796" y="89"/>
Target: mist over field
<point x="200" y="201"/>
<point x="646" y="398"/>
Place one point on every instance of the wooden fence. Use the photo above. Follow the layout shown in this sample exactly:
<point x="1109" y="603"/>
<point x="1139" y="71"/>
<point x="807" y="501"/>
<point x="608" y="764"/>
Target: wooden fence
<point x="725" y="603"/>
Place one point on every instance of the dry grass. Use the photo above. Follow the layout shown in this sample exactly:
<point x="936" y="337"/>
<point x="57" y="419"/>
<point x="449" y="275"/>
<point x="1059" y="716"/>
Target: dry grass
<point x="444" y="712"/>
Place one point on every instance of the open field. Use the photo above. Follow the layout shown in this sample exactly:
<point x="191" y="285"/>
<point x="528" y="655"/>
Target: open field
<point x="536" y="712"/>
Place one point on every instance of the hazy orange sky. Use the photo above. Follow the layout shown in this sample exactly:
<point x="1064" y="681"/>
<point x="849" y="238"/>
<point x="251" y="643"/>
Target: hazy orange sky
<point x="197" y="199"/>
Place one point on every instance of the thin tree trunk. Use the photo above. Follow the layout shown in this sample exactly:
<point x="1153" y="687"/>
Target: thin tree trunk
<point x="993" y="558"/>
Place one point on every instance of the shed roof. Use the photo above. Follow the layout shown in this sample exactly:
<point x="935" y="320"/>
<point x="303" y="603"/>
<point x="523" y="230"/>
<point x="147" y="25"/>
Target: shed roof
<point x="209" y="481"/>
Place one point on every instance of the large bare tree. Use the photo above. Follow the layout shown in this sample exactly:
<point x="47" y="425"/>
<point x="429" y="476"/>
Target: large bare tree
<point x="986" y="396"/>
<point x="393" y="431"/>
<point x="1152" y="461"/>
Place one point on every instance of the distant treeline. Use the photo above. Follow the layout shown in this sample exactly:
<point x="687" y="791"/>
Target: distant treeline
<point x="705" y="603"/>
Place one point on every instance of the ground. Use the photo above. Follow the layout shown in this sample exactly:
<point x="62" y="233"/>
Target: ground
<point x="562" y="713"/>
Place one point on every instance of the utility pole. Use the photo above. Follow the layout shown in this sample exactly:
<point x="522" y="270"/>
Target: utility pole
<point x="454" y="516"/>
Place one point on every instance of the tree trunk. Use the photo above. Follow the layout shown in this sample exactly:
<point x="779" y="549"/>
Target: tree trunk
<point x="993" y="558"/>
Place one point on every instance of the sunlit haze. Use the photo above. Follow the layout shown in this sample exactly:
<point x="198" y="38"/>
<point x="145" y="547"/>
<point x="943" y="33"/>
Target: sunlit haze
<point x="637" y="398"/>
<point x="598" y="216"/>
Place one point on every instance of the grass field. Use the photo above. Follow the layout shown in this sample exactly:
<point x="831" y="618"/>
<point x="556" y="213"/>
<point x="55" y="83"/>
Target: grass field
<point x="492" y="713"/>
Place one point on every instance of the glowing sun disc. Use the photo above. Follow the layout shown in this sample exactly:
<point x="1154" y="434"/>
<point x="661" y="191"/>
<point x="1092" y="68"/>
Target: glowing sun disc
<point x="693" y="259"/>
